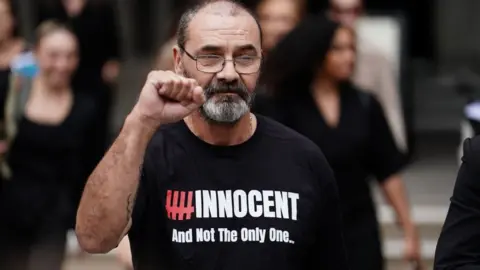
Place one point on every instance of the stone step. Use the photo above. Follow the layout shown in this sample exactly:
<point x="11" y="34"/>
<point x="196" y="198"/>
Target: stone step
<point x="397" y="264"/>
<point x="429" y="220"/>
<point x="109" y="263"/>
<point x="393" y="249"/>
<point x="423" y="215"/>
<point x="426" y="231"/>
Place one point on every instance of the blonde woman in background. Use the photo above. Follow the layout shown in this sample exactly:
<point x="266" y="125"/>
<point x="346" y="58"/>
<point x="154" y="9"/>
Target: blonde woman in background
<point x="47" y="127"/>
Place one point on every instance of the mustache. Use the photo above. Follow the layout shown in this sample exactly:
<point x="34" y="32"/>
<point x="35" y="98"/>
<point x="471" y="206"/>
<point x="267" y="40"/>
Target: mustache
<point x="238" y="89"/>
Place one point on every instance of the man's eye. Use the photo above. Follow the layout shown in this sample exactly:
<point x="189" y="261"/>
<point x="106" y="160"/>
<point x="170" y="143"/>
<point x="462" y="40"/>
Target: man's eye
<point x="245" y="60"/>
<point x="207" y="60"/>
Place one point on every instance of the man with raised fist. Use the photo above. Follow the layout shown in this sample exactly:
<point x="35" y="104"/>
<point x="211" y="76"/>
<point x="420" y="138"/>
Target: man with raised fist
<point x="214" y="186"/>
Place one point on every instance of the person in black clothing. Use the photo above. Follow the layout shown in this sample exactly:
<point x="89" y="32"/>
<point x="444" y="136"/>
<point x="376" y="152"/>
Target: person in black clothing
<point x="459" y="244"/>
<point x="222" y="188"/>
<point x="95" y="25"/>
<point x="47" y="126"/>
<point x="307" y="88"/>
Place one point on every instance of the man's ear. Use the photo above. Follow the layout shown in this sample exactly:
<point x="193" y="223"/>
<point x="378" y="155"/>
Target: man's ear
<point x="177" y="60"/>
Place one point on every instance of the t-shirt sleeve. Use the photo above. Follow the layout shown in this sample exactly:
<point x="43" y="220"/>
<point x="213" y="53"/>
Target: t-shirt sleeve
<point x="145" y="217"/>
<point x="329" y="252"/>
<point x="459" y="243"/>
<point x="384" y="159"/>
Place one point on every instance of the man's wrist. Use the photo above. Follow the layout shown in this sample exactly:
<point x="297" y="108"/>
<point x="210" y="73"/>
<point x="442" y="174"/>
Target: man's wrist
<point x="140" y="124"/>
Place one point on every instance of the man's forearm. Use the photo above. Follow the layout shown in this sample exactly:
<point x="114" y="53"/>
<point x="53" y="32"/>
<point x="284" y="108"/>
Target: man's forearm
<point x="107" y="202"/>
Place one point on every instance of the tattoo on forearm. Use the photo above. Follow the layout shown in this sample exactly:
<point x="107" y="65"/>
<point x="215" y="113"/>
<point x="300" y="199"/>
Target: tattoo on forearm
<point x="130" y="203"/>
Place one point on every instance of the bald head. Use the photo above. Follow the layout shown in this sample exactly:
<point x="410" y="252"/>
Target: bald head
<point x="224" y="8"/>
<point x="219" y="45"/>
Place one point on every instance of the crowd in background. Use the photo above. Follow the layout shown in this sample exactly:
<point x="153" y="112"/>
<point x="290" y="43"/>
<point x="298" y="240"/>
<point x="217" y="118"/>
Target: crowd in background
<point x="319" y="77"/>
<point x="55" y="123"/>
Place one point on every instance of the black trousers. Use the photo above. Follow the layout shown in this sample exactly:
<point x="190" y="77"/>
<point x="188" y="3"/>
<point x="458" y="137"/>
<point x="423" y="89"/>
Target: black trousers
<point x="363" y="244"/>
<point x="33" y="226"/>
<point x="38" y="248"/>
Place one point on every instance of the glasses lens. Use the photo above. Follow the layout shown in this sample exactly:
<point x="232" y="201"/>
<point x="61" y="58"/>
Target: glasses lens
<point x="241" y="67"/>
<point x="209" y="69"/>
<point x="210" y="63"/>
<point x="249" y="68"/>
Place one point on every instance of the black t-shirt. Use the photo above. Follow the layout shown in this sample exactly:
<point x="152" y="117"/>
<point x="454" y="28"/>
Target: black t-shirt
<point x="459" y="244"/>
<point x="48" y="167"/>
<point x="360" y="147"/>
<point x="269" y="203"/>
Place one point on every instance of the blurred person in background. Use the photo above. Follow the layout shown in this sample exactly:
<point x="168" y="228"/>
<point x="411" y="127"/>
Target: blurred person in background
<point x="277" y="18"/>
<point x="11" y="45"/>
<point x="307" y="81"/>
<point x="373" y="72"/>
<point x="164" y="59"/>
<point x="47" y="125"/>
<point x="94" y="23"/>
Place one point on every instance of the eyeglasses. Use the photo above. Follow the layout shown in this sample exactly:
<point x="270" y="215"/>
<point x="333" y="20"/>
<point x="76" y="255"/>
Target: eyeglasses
<point x="210" y="63"/>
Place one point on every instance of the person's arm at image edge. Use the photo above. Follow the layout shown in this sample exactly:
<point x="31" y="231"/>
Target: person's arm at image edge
<point x="395" y="193"/>
<point x="459" y="244"/>
<point x="386" y="163"/>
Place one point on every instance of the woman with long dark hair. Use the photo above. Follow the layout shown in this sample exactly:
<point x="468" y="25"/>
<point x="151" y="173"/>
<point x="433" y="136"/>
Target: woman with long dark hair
<point x="47" y="127"/>
<point x="306" y="78"/>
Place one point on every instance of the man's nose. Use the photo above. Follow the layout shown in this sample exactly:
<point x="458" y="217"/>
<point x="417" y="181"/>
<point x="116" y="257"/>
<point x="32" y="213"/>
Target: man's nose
<point x="228" y="73"/>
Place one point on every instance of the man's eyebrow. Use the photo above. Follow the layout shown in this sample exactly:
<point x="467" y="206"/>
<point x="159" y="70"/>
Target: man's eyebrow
<point x="210" y="48"/>
<point x="215" y="49"/>
<point x="247" y="47"/>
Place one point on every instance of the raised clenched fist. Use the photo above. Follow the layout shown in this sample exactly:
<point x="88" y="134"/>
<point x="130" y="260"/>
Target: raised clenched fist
<point x="167" y="97"/>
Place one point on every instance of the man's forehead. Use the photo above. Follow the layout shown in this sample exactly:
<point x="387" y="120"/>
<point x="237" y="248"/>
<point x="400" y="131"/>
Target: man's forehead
<point x="240" y="26"/>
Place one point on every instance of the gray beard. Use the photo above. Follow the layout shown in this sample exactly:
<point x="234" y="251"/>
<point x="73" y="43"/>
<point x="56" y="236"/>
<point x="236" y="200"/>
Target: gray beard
<point x="226" y="110"/>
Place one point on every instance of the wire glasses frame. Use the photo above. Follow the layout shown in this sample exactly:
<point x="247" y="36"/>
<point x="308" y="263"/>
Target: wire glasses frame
<point x="210" y="63"/>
